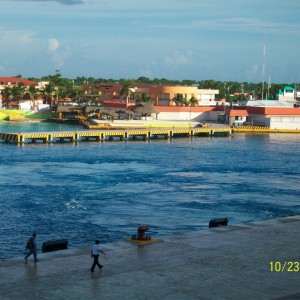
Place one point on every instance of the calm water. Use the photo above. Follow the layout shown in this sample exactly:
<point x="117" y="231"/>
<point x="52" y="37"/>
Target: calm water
<point x="106" y="189"/>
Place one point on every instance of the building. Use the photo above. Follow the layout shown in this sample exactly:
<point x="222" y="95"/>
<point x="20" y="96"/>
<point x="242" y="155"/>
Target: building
<point x="161" y="95"/>
<point x="190" y="113"/>
<point x="284" y="115"/>
<point x="24" y="104"/>
<point x="287" y="94"/>
<point x="275" y="117"/>
<point x="234" y="117"/>
<point x="11" y="81"/>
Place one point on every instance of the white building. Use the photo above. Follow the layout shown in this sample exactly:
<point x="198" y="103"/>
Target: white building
<point x="287" y="94"/>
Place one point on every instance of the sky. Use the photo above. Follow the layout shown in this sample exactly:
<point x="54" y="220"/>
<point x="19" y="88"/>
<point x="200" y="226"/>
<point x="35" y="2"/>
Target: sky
<point x="231" y="40"/>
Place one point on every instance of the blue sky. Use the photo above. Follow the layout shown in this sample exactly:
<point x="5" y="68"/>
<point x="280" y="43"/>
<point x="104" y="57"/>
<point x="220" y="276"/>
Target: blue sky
<point x="174" y="39"/>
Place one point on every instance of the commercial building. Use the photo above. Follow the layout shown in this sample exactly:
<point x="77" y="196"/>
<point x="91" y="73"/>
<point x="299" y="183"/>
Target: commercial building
<point x="11" y="81"/>
<point x="287" y="94"/>
<point x="274" y="114"/>
<point x="161" y="95"/>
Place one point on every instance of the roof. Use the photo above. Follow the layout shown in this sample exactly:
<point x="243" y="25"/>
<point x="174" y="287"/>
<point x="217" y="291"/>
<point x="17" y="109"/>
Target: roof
<point x="14" y="80"/>
<point x="267" y="103"/>
<point x="237" y="113"/>
<point x="66" y="108"/>
<point x="288" y="88"/>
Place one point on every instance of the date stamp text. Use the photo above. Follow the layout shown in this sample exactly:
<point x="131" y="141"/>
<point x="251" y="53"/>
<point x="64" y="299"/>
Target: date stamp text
<point x="284" y="266"/>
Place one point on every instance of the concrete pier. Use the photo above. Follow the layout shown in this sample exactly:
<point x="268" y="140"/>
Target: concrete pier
<point x="101" y="135"/>
<point x="257" y="260"/>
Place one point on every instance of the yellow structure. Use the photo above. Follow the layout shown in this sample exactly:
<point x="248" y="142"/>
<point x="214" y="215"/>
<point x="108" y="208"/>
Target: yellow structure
<point x="103" y="135"/>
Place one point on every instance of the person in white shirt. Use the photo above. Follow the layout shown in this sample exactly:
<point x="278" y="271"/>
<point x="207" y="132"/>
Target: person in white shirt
<point x="95" y="254"/>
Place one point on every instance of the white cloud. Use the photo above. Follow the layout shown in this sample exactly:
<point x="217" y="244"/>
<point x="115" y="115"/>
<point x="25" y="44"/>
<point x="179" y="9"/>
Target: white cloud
<point x="53" y="45"/>
<point x="59" y="58"/>
<point x="16" y="38"/>
<point x="59" y="52"/>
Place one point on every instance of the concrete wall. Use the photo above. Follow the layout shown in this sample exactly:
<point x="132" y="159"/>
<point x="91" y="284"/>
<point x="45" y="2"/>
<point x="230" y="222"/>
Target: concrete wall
<point x="180" y="116"/>
<point x="285" y="122"/>
<point x="276" y="122"/>
<point x="190" y="116"/>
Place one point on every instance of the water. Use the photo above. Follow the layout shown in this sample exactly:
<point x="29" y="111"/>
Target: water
<point x="105" y="190"/>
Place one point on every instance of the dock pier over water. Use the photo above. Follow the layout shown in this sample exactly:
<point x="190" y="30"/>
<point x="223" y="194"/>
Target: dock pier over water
<point x="112" y="134"/>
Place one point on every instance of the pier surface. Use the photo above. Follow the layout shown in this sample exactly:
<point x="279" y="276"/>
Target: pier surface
<point x="102" y="135"/>
<point x="258" y="260"/>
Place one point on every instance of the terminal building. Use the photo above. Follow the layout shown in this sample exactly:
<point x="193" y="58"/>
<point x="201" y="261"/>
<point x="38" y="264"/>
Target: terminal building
<point x="162" y="95"/>
<point x="283" y="113"/>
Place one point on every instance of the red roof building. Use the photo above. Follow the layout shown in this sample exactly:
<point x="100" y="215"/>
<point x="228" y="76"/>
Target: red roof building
<point x="8" y="81"/>
<point x="285" y="117"/>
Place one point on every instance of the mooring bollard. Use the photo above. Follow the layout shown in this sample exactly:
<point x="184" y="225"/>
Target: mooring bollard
<point x="55" y="245"/>
<point x="141" y="236"/>
<point x="218" y="222"/>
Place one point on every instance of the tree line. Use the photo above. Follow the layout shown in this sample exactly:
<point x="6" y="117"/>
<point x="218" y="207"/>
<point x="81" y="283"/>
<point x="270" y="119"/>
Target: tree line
<point x="59" y="87"/>
<point x="226" y="88"/>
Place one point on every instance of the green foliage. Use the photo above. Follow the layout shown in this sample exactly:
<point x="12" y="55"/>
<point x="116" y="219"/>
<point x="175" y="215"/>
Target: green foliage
<point x="193" y="101"/>
<point x="144" y="80"/>
<point x="144" y="97"/>
<point x="41" y="116"/>
<point x="127" y="85"/>
<point x="34" y="79"/>
<point x="179" y="100"/>
<point x="60" y="87"/>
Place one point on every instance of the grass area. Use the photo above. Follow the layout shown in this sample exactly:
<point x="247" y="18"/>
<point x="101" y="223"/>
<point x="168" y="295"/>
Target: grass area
<point x="3" y="116"/>
<point x="11" y="113"/>
<point x="7" y="114"/>
<point x="40" y="116"/>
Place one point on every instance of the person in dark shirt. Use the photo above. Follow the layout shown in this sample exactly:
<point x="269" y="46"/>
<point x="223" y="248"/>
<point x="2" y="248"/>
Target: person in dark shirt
<point x="31" y="248"/>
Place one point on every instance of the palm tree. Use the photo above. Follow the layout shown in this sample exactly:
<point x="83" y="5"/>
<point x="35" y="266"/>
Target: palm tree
<point x="127" y="89"/>
<point x="144" y="97"/>
<point x="49" y="93"/>
<point x="94" y="96"/>
<point x="193" y="101"/>
<point x="179" y="100"/>
<point x="7" y="95"/>
<point x="19" y="91"/>
<point x="33" y="94"/>
<point x="77" y="94"/>
<point x="58" y="87"/>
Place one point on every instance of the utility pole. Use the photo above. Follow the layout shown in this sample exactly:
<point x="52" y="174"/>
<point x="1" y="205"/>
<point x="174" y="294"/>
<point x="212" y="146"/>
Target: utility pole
<point x="269" y="86"/>
<point x="263" y="70"/>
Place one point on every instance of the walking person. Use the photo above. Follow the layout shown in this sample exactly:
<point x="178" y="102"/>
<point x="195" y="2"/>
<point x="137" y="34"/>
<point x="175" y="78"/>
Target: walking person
<point x="31" y="248"/>
<point x="95" y="254"/>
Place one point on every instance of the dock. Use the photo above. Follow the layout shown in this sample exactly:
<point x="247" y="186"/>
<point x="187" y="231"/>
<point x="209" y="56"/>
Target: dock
<point x="260" y="129"/>
<point x="253" y="260"/>
<point x="112" y="134"/>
